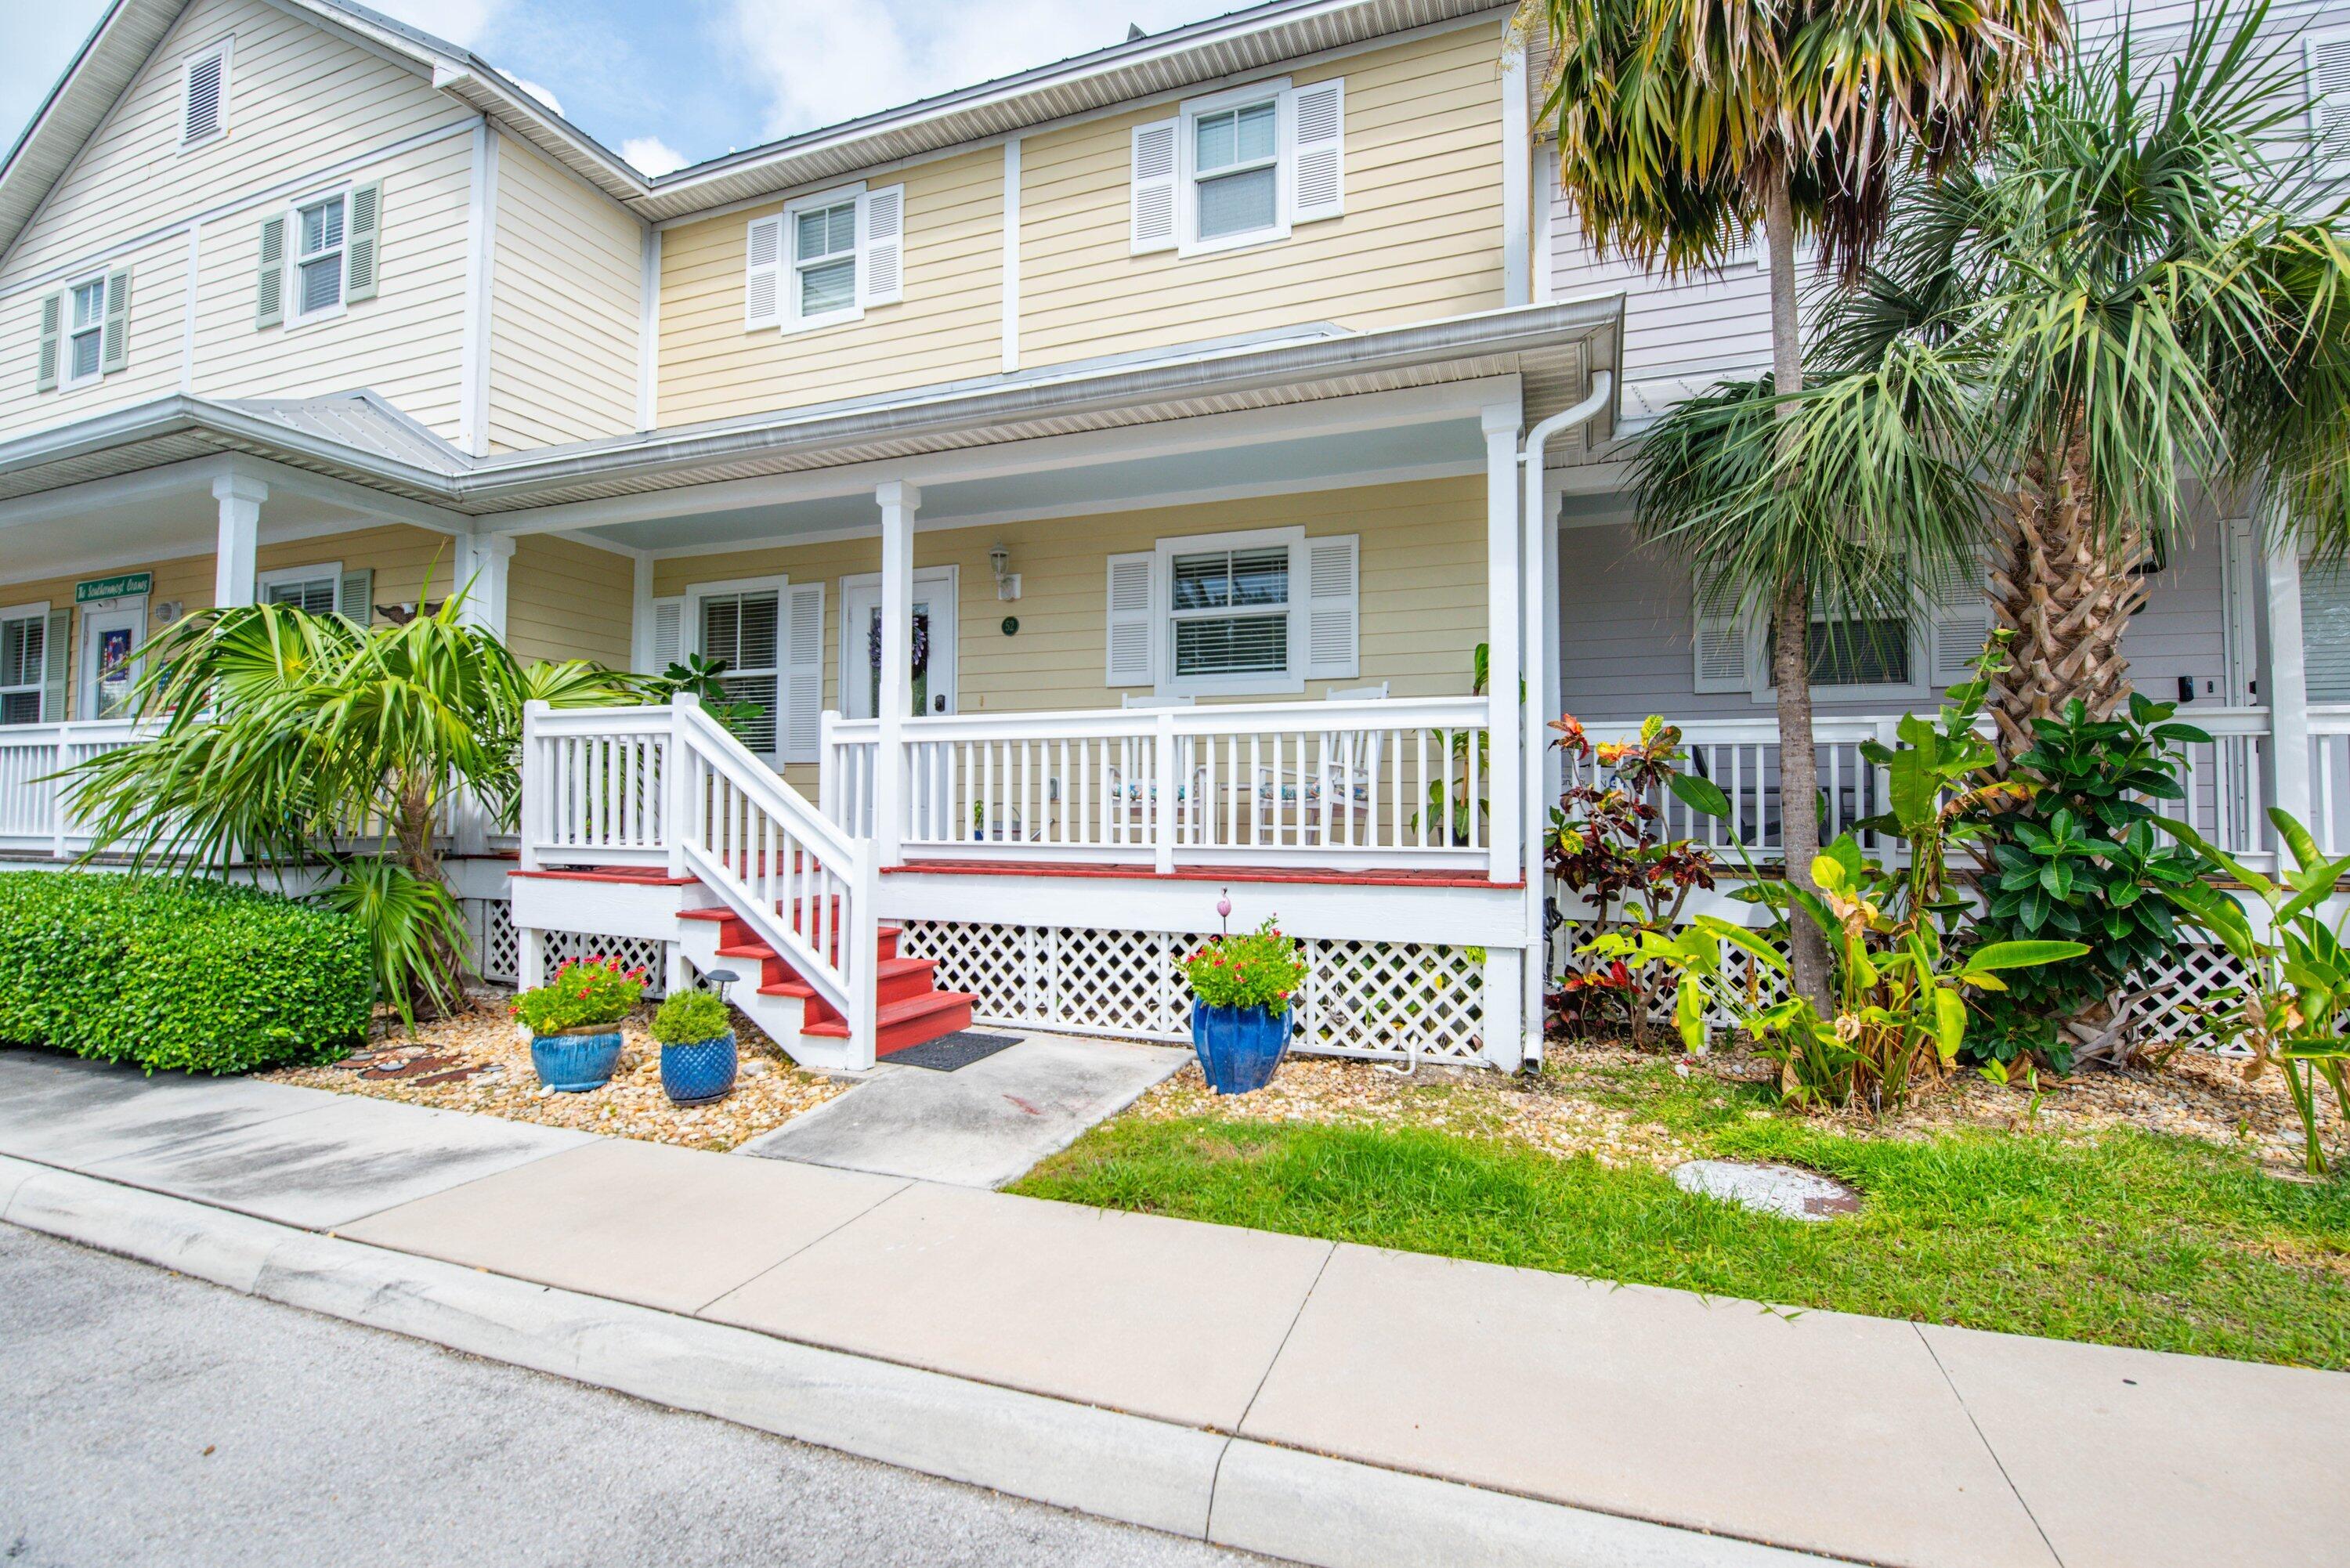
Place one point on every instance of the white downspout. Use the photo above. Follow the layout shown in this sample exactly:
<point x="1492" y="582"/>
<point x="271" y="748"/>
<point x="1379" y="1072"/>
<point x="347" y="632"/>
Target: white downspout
<point x="1540" y="663"/>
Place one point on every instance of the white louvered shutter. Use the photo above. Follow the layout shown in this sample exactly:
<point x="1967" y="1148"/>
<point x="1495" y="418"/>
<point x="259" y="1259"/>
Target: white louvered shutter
<point x="269" y="281"/>
<point x="354" y="595"/>
<point x="881" y="245"/>
<point x="763" y="278"/>
<point x="1725" y="648"/>
<point x="200" y="114"/>
<point x="2328" y="60"/>
<point x="362" y="237"/>
<point x="1133" y="625"/>
<point x="55" y="640"/>
<point x="1152" y="194"/>
<point x="1332" y="612"/>
<point x="668" y="634"/>
<point x="114" y="336"/>
<point x="53" y="315"/>
<point x="1317" y="184"/>
<point x="1955" y="638"/>
<point x="803" y="728"/>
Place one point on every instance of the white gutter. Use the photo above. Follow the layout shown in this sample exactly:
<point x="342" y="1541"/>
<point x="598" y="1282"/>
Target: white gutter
<point x="1540" y="662"/>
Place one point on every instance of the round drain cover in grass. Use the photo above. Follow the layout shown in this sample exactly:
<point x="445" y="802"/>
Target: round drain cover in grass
<point x="1780" y="1190"/>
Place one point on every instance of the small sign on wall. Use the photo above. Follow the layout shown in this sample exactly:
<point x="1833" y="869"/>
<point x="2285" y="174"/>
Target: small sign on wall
<point x="121" y="587"/>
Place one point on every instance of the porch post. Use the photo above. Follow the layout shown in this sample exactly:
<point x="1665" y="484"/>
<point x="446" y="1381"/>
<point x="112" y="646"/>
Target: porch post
<point x="2288" y="694"/>
<point x="482" y="567"/>
<point x="898" y="502"/>
<point x="1503" y="784"/>
<point x="234" y="566"/>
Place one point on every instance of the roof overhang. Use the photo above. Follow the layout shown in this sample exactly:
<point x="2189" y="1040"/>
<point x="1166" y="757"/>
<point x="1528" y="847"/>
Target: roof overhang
<point x="1552" y="350"/>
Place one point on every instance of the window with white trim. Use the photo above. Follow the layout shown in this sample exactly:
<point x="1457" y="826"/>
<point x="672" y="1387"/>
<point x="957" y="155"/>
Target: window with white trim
<point x="1903" y="653"/>
<point x="1239" y="167"/>
<point x="85" y="331"/>
<point x="203" y="94"/>
<point x="744" y="626"/>
<point x="317" y="589"/>
<point x="826" y="258"/>
<point x="1257" y="613"/>
<point x="318" y="258"/>
<point x="24" y="663"/>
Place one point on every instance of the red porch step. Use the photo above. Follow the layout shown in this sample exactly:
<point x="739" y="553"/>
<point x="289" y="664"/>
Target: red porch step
<point x="912" y="1010"/>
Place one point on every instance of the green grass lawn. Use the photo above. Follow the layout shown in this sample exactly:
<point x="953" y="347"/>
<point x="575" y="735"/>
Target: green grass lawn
<point x="2128" y="1238"/>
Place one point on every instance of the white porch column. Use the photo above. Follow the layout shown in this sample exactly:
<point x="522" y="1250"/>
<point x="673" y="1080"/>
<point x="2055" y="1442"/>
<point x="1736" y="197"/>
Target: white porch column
<point x="898" y="502"/>
<point x="234" y="569"/>
<point x="482" y="571"/>
<point x="641" y="616"/>
<point x="2287" y="691"/>
<point x="1502" y="592"/>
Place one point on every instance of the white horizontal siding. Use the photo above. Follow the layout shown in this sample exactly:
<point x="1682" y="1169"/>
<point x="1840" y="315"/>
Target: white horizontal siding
<point x="159" y="275"/>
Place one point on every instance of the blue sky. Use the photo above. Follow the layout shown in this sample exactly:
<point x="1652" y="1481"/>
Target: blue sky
<point x="669" y="81"/>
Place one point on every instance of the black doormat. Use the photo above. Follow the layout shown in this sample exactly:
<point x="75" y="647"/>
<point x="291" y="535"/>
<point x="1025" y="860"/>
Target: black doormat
<point x="949" y="1052"/>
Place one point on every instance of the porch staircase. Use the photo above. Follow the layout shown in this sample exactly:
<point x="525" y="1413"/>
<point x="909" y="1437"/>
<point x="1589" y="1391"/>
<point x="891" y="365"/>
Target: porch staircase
<point x="912" y="1010"/>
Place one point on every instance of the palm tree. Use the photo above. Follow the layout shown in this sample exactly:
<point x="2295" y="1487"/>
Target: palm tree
<point x="2128" y="278"/>
<point x="285" y="735"/>
<point x="1686" y="125"/>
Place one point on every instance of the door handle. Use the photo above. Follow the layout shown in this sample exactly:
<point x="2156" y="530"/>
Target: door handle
<point x="939" y="703"/>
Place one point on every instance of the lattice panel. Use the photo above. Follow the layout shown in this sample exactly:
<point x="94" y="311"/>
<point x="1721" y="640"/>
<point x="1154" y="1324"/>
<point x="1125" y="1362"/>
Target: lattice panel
<point x="500" y="951"/>
<point x="2192" y="978"/>
<point x="1392" y="1001"/>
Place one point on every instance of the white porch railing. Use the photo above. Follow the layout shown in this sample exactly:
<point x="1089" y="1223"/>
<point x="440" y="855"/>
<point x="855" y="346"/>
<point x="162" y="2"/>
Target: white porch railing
<point x="672" y="786"/>
<point x="35" y="815"/>
<point x="2229" y="782"/>
<point x="1362" y="783"/>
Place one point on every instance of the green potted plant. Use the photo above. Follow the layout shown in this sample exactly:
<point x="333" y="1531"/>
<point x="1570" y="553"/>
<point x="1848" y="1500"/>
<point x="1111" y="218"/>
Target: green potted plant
<point x="697" y="1047"/>
<point x="575" y="1022"/>
<point x="1241" y="990"/>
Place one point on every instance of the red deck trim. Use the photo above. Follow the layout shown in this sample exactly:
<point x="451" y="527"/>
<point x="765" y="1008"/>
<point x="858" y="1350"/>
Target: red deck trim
<point x="1381" y="876"/>
<point x="643" y="875"/>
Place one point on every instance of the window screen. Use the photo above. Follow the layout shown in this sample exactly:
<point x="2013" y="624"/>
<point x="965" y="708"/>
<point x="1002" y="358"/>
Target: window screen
<point x="743" y="629"/>
<point x="1232" y="160"/>
<point x="24" y="648"/>
<point x="315" y="594"/>
<point x="1230" y="610"/>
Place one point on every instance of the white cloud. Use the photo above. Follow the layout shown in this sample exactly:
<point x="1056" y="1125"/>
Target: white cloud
<point x="536" y="91"/>
<point x="823" y="63"/>
<point x="650" y="156"/>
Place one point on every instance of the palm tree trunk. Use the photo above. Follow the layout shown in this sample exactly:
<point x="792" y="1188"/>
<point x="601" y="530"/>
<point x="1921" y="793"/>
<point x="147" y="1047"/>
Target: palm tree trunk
<point x="1791" y="624"/>
<point x="2067" y="590"/>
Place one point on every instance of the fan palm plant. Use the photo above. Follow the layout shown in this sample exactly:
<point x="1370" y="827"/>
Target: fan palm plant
<point x="2129" y="280"/>
<point x="1684" y="126"/>
<point x="287" y="736"/>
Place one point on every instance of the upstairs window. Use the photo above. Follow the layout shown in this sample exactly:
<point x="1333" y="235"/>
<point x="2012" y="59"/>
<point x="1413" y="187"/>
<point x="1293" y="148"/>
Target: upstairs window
<point x="825" y="259"/>
<point x="203" y="94"/>
<point x="1239" y="168"/>
<point x="318" y="258"/>
<point x="1235" y="170"/>
<point x="85" y="333"/>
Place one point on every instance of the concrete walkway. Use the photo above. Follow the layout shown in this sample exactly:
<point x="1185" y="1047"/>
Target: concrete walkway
<point x="1271" y="1392"/>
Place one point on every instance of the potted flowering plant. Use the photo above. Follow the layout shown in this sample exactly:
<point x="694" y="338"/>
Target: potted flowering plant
<point x="697" y="1048"/>
<point x="575" y="1022"/>
<point x="1241" y="988"/>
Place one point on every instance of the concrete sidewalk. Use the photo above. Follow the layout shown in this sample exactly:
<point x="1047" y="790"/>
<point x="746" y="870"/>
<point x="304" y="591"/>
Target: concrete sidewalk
<point x="1331" y="1403"/>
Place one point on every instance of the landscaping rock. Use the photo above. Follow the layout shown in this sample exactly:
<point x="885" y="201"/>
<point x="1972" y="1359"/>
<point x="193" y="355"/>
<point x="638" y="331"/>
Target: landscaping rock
<point x="1780" y="1190"/>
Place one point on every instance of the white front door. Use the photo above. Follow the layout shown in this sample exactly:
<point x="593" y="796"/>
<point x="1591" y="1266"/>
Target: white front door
<point x="111" y="631"/>
<point x="935" y="644"/>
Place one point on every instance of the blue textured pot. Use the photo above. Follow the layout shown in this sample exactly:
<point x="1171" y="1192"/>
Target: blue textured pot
<point x="575" y="1063"/>
<point x="1238" y="1047"/>
<point x="702" y="1071"/>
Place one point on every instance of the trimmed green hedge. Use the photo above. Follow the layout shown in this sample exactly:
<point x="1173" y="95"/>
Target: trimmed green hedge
<point x="178" y="973"/>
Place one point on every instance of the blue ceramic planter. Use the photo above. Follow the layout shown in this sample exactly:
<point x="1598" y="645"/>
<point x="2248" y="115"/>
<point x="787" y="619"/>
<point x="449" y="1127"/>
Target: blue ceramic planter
<point x="1239" y="1047"/>
<point x="575" y="1063"/>
<point x="702" y="1071"/>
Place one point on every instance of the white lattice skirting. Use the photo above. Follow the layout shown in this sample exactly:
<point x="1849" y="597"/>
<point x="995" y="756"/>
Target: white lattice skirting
<point x="1390" y="1001"/>
<point x="2191" y="978"/>
<point x="500" y="947"/>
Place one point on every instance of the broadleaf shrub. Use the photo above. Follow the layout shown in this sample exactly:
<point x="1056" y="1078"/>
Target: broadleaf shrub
<point x="1256" y="969"/>
<point x="689" y="1017"/>
<point x="587" y="993"/>
<point x="178" y="973"/>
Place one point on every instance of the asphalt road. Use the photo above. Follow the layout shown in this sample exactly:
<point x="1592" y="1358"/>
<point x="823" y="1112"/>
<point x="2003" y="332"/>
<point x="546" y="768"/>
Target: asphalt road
<point x="147" y="1419"/>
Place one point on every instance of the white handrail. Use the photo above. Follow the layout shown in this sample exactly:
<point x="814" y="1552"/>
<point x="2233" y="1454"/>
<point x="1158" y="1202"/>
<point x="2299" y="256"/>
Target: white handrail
<point x="36" y="815"/>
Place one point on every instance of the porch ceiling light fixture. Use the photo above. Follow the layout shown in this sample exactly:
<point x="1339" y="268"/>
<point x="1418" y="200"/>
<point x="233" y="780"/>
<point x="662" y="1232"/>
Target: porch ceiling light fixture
<point x="1007" y="581"/>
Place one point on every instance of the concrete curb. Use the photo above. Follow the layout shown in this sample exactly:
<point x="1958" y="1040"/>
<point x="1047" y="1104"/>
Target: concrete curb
<point x="1308" y="1508"/>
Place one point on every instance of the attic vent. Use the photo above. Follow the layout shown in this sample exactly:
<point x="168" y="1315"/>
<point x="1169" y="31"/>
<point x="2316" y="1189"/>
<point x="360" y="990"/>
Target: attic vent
<point x="206" y="91"/>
